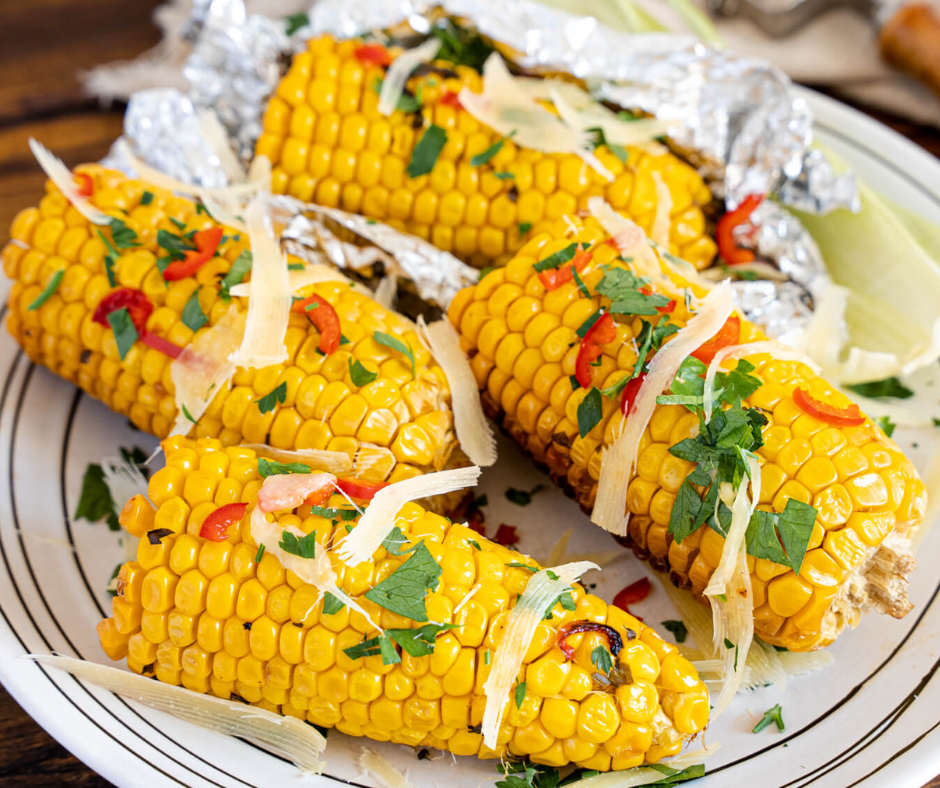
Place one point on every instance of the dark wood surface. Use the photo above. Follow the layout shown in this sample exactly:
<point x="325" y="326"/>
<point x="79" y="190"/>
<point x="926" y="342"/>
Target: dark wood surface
<point x="45" y="44"/>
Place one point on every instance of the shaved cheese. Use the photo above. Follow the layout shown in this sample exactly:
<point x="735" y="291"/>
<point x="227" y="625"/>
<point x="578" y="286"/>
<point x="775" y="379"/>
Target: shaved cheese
<point x="529" y="611"/>
<point x="796" y="663"/>
<point x="779" y="351"/>
<point x="64" y="181"/>
<point x="225" y="211"/>
<point x="382" y="770"/>
<point x="157" y="178"/>
<point x="204" y="368"/>
<point x="733" y="621"/>
<point x="259" y="171"/>
<point x="285" y="736"/>
<point x="317" y="572"/>
<point x="124" y="480"/>
<point x="379" y="519"/>
<point x="619" y="459"/>
<point x="387" y="291"/>
<point x="269" y="307"/>
<point x="473" y="430"/>
<point x="335" y="462"/>
<point x="393" y="86"/>
<point x="661" y="222"/>
<point x="215" y="135"/>
<point x="507" y="108"/>
<point x="467" y="598"/>
<point x="742" y="508"/>
<point x="311" y="274"/>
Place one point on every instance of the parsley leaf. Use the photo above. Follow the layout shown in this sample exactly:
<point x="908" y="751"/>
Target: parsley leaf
<point x="425" y="153"/>
<point x="270" y="401"/>
<point x="360" y="374"/>
<point x="887" y="426"/>
<point x="678" y="628"/>
<point x="419" y="642"/>
<point x="772" y="715"/>
<point x="460" y="46"/>
<point x="602" y="660"/>
<point x="520" y="694"/>
<point x="490" y="152"/>
<point x="523" y="497"/>
<point x="518" y="565"/>
<point x="305" y="546"/>
<point x="176" y="245"/>
<point x="146" y="198"/>
<point x="331" y="605"/>
<point x="187" y="414"/>
<point x="622" y="287"/>
<point x="557" y="259"/>
<point x="122" y="235"/>
<point x="125" y="332"/>
<point x="260" y="554"/>
<point x="590" y="412"/>
<point x="294" y="22"/>
<point x="95" y="502"/>
<point x="408" y="102"/>
<point x="47" y="292"/>
<point x="110" y="258"/>
<point x="396" y="344"/>
<point x="784" y="537"/>
<point x="889" y="387"/>
<point x="404" y="590"/>
<point x="193" y="317"/>
<point x="524" y="227"/>
<point x="394" y="541"/>
<point x="236" y="273"/>
<point x="268" y="468"/>
<point x="588" y="324"/>
<point x="334" y="514"/>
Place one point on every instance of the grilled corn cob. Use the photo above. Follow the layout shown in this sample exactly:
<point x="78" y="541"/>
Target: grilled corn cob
<point x="396" y="426"/>
<point x="329" y="144"/>
<point x="524" y="345"/>
<point x="212" y="617"/>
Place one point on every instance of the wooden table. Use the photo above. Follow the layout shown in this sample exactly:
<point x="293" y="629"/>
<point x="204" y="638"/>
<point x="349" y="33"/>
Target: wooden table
<point x="46" y="43"/>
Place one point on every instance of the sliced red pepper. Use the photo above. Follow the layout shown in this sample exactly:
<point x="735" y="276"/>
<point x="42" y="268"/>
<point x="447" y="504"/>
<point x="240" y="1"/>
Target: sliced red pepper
<point x="506" y="535"/>
<point x="602" y="332"/>
<point x="729" y="334"/>
<point x="553" y="278"/>
<point x="629" y="394"/>
<point x="86" y="186"/>
<point x="361" y="491"/>
<point x="614" y="641"/>
<point x="207" y="244"/>
<point x="324" y="319"/>
<point x="373" y="54"/>
<point x="139" y="308"/>
<point x="450" y="99"/>
<point x="849" y="416"/>
<point x="633" y="593"/>
<point x="215" y="526"/>
<point x="728" y="247"/>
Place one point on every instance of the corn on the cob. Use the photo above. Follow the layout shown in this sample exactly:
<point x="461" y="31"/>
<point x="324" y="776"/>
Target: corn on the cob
<point x="210" y="616"/>
<point x="524" y="347"/>
<point x="329" y="144"/>
<point x="394" y="427"/>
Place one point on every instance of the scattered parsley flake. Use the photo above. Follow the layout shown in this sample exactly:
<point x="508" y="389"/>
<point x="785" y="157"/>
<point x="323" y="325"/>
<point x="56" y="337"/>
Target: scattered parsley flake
<point x="403" y="591"/>
<point x="425" y="153"/>
<point x="359" y="374"/>
<point x="772" y="715"/>
<point x="520" y="694"/>
<point x="47" y="292"/>
<point x="125" y="332"/>
<point x="590" y="412"/>
<point x="268" y="468"/>
<point x="193" y="317"/>
<point x="270" y="401"/>
<point x="678" y="628"/>
<point x="394" y="343"/>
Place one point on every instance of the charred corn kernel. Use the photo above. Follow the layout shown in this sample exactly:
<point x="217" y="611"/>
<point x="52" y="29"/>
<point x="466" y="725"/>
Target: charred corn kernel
<point x="859" y="482"/>
<point x="323" y="131"/>
<point x="210" y="616"/>
<point x="320" y="407"/>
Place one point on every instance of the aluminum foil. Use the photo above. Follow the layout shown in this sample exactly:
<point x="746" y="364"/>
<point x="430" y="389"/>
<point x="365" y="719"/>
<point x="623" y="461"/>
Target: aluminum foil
<point x="736" y="118"/>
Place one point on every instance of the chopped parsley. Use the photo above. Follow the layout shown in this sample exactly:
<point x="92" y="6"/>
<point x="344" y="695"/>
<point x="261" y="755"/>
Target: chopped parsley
<point x="175" y="245"/>
<point x="359" y="374"/>
<point x="408" y="102"/>
<point x="193" y="317"/>
<point x="125" y="332"/>
<point x="504" y="176"/>
<point x="394" y="343"/>
<point x="588" y="324"/>
<point x="95" y="502"/>
<point x="404" y="590"/>
<point x="417" y="642"/>
<point x="331" y="605"/>
<point x="623" y="289"/>
<point x="602" y="660"/>
<point x="678" y="628"/>
<point x="523" y="497"/>
<point x="122" y="235"/>
<point x="557" y="259"/>
<point x="887" y="426"/>
<point x="295" y="22"/>
<point x="146" y="198"/>
<point x="187" y="414"/>
<point x="519" y="565"/>
<point x="772" y="715"/>
<point x="889" y="387"/>
<point x="475" y="544"/>
<point x="47" y="292"/>
<point x="590" y="412"/>
<point x="268" y="468"/>
<point x="333" y="514"/>
<point x="395" y="541"/>
<point x="260" y="554"/>
<point x="276" y="396"/>
<point x="425" y="153"/>
<point x="524" y="227"/>
<point x="784" y="537"/>
<point x="305" y="546"/>
<point x="110" y="258"/>
<point x="296" y="266"/>
<point x="520" y="694"/>
<point x="236" y="274"/>
<point x="460" y="46"/>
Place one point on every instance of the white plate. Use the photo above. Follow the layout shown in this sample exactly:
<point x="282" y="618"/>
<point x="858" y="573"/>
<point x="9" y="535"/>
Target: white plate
<point x="871" y="719"/>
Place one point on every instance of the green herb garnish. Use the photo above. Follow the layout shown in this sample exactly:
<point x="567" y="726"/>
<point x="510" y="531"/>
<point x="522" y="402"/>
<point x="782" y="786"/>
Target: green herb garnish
<point x="678" y="628"/>
<point x="359" y="374"/>
<point x="889" y="387"/>
<point x="304" y="546"/>
<point x="425" y="153"/>
<point x="125" y="332"/>
<point x="47" y="292"/>
<point x="523" y="497"/>
<point x="268" y="468"/>
<point x="270" y="401"/>
<point x="193" y="317"/>
<point x="404" y="590"/>
<point x="236" y="274"/>
<point x="772" y="715"/>
<point x="394" y="343"/>
<point x="590" y="412"/>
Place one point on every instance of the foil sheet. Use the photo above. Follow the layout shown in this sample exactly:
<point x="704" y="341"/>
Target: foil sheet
<point x="736" y="119"/>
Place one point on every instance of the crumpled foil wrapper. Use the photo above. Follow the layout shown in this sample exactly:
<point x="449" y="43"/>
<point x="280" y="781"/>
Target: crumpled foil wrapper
<point x="736" y="119"/>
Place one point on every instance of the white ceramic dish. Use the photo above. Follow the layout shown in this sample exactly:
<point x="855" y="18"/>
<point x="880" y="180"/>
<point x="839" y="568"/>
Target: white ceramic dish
<point x="871" y="719"/>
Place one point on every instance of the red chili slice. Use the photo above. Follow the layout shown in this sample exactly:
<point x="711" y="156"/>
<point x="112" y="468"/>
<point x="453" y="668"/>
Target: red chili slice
<point x="629" y="394"/>
<point x="614" y="641"/>
<point x="728" y="247"/>
<point x="160" y="344"/>
<point x="373" y="54"/>
<point x="450" y="99"/>
<point x="324" y="319"/>
<point x="849" y="416"/>
<point x="602" y="332"/>
<point x="728" y="334"/>
<point x="207" y="244"/>
<point x="361" y="491"/>
<point x="506" y="535"/>
<point x="553" y="278"/>
<point x="86" y="186"/>
<point x="633" y="593"/>
<point x="215" y="526"/>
